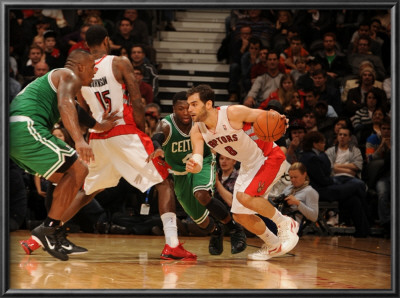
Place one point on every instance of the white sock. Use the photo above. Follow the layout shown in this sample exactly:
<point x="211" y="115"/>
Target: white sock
<point x="270" y="238"/>
<point x="170" y="229"/>
<point x="278" y="217"/>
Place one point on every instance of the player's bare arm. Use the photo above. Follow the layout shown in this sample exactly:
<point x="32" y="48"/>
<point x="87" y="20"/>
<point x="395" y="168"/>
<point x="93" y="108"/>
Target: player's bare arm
<point x="158" y="138"/>
<point x="123" y="71"/>
<point x="195" y="163"/>
<point x="68" y="85"/>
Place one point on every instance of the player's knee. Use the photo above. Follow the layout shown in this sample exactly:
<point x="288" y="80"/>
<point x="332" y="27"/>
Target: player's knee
<point x="203" y="196"/>
<point x="243" y="199"/>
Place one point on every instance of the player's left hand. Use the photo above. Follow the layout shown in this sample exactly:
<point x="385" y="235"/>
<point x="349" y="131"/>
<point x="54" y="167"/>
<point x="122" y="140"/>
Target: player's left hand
<point x="109" y="120"/>
<point x="156" y="153"/>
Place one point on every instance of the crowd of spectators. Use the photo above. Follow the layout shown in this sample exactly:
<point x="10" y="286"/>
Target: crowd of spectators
<point x="329" y="70"/>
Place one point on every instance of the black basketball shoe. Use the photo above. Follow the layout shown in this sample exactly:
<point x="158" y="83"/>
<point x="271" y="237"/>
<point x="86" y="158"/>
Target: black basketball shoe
<point x="69" y="247"/>
<point x="47" y="238"/>
<point x="216" y="246"/>
<point x="238" y="240"/>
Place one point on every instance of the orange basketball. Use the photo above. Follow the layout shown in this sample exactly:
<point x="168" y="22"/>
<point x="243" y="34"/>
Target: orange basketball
<point x="269" y="126"/>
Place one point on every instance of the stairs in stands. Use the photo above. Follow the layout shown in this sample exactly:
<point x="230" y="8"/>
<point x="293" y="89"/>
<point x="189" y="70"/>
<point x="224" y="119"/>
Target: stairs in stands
<point x="188" y="56"/>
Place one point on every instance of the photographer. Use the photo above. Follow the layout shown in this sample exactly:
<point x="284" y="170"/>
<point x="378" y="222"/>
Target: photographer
<point x="299" y="199"/>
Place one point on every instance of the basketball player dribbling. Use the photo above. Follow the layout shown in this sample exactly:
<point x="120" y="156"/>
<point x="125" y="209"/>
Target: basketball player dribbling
<point x="228" y="130"/>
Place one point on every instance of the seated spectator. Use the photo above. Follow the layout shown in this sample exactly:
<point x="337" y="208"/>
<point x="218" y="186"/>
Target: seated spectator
<point x="364" y="29"/>
<point x="40" y="69"/>
<point x="301" y="68"/>
<point x="247" y="61"/>
<point x="312" y="97"/>
<point x="153" y="116"/>
<point x="27" y="69"/>
<point x="305" y="81"/>
<point x="294" y="142"/>
<point x="361" y="52"/>
<point x="363" y="116"/>
<point x="350" y="196"/>
<point x="310" y="120"/>
<point x="140" y="30"/>
<point x="333" y="61"/>
<point x="54" y="57"/>
<point x="226" y="179"/>
<point x="340" y="122"/>
<point x="291" y="54"/>
<point x="81" y="43"/>
<point x="325" y="123"/>
<point x="150" y="74"/>
<point x="354" y="81"/>
<point x="266" y="83"/>
<point x="300" y="197"/>
<point x="281" y="40"/>
<point x="123" y="37"/>
<point x="284" y="20"/>
<point x="295" y="110"/>
<point x="237" y="47"/>
<point x="327" y="92"/>
<point x="283" y="94"/>
<point x="356" y="96"/>
<point x="261" y="27"/>
<point x="378" y="142"/>
<point x="145" y="89"/>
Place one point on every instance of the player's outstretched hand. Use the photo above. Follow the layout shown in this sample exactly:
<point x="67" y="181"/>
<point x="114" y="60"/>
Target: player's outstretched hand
<point x="109" y="120"/>
<point x="156" y="153"/>
<point x="84" y="151"/>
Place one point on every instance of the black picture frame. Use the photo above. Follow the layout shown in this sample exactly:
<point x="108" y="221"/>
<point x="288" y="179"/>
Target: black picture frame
<point x="6" y="5"/>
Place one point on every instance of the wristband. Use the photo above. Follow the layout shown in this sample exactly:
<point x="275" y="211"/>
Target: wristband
<point x="197" y="158"/>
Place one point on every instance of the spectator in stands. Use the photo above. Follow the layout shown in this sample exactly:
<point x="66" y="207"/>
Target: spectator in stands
<point x="312" y="97"/>
<point x="283" y="22"/>
<point x="361" y="52"/>
<point x="248" y="60"/>
<point x="150" y="74"/>
<point x="237" y="48"/>
<point x="305" y="81"/>
<point x="291" y="54"/>
<point x="327" y="92"/>
<point x="266" y="83"/>
<point x="261" y="27"/>
<point x="325" y="123"/>
<point x="301" y="68"/>
<point x="283" y="94"/>
<point x="140" y="30"/>
<point x="340" y="122"/>
<point x="34" y="56"/>
<point x="310" y="120"/>
<point x="281" y="41"/>
<point x="333" y="61"/>
<point x="81" y="43"/>
<point x="153" y="116"/>
<point x="38" y="40"/>
<point x="226" y="179"/>
<point x="363" y="116"/>
<point x="296" y="133"/>
<point x="295" y="110"/>
<point x="300" y="197"/>
<point x="316" y="23"/>
<point x="319" y="170"/>
<point x="377" y="143"/>
<point x="356" y="96"/>
<point x="145" y="89"/>
<point x="364" y="29"/>
<point x="13" y="85"/>
<point x="352" y="81"/>
<point x="54" y="57"/>
<point x="123" y="37"/>
<point x="40" y="69"/>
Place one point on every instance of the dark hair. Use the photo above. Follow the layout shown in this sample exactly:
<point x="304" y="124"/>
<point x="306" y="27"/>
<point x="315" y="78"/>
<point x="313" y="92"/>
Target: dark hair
<point x="95" y="35"/>
<point x="310" y="138"/>
<point x="124" y="19"/>
<point x="179" y="96"/>
<point x="255" y="40"/>
<point x="139" y="68"/>
<point x="349" y="125"/>
<point x="273" y="52"/>
<point x="320" y="71"/>
<point x="206" y="93"/>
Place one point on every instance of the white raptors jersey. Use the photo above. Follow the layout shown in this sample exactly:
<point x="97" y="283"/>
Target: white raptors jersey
<point x="241" y="145"/>
<point x="106" y="93"/>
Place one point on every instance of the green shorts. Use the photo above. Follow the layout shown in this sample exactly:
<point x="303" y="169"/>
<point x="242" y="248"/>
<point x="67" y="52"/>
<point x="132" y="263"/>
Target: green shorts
<point x="36" y="150"/>
<point x="186" y="185"/>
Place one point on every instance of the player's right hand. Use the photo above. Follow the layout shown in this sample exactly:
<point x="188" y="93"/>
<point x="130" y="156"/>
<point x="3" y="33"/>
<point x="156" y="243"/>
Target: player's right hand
<point x="109" y="120"/>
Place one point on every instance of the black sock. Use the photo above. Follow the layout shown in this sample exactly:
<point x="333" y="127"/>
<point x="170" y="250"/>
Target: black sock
<point x="232" y="225"/>
<point x="49" y="222"/>
<point x="217" y="209"/>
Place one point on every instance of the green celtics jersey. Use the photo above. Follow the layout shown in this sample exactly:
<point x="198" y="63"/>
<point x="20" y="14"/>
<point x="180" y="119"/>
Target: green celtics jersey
<point x="177" y="146"/>
<point x="38" y="101"/>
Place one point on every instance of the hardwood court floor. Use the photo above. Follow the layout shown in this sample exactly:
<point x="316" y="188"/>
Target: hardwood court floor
<point x="132" y="262"/>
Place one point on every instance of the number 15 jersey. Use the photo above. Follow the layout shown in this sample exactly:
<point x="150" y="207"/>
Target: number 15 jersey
<point x="106" y="93"/>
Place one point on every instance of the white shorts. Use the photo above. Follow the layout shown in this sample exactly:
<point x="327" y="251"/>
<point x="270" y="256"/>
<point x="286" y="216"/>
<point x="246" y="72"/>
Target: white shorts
<point x="121" y="156"/>
<point x="245" y="179"/>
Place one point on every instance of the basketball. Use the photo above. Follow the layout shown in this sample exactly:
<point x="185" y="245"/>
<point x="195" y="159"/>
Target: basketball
<point x="269" y="126"/>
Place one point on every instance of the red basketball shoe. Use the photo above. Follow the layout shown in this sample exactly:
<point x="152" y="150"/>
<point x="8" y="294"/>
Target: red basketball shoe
<point x="176" y="253"/>
<point x="29" y="245"/>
